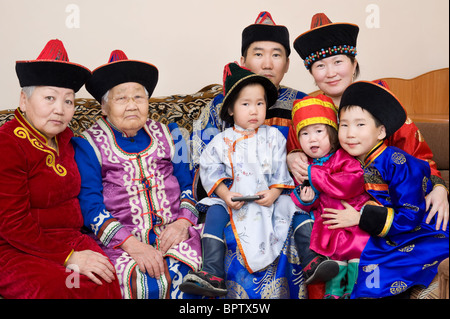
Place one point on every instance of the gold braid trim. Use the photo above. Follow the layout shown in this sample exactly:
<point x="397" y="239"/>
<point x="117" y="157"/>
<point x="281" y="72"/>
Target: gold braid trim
<point x="50" y="160"/>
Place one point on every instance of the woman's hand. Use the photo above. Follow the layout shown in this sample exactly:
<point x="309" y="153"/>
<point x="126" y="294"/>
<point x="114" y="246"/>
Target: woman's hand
<point x="174" y="234"/>
<point x="148" y="259"/>
<point x="341" y="218"/>
<point x="92" y="264"/>
<point x="437" y="199"/>
<point x="298" y="165"/>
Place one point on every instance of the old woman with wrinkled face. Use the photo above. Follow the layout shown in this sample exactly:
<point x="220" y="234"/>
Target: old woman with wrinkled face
<point x="136" y="194"/>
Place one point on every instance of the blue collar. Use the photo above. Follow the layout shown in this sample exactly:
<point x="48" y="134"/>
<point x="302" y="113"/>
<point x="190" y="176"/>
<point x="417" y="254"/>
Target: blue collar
<point x="321" y="160"/>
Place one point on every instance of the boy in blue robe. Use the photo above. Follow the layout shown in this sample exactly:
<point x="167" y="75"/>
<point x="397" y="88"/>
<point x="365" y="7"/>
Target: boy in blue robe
<point x="403" y="251"/>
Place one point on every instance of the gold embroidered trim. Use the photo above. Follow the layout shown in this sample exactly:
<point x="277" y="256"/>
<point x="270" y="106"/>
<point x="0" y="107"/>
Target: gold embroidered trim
<point x="50" y="160"/>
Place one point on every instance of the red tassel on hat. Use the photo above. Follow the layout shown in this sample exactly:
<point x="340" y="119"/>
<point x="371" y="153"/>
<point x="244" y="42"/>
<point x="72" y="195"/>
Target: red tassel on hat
<point x="226" y="73"/>
<point x="319" y="19"/>
<point x="54" y="50"/>
<point x="383" y="83"/>
<point x="117" y="55"/>
<point x="264" y="17"/>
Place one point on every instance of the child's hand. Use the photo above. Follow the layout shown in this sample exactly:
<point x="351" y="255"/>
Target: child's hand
<point x="225" y="194"/>
<point x="307" y="194"/>
<point x="269" y="196"/>
<point x="233" y="205"/>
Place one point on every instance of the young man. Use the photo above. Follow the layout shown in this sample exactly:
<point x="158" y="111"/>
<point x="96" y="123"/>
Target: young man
<point x="265" y="51"/>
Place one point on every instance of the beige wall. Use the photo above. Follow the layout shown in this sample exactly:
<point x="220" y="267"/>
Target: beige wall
<point x="191" y="40"/>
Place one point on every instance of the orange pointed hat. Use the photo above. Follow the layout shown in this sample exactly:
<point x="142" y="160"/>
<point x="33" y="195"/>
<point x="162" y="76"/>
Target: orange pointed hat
<point x="326" y="39"/>
<point x="52" y="68"/>
<point x="118" y="70"/>
<point x="265" y="29"/>
<point x="314" y="110"/>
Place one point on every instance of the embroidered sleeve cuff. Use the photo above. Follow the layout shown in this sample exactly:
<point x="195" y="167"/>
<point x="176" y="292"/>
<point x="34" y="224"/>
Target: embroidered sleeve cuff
<point x="112" y="233"/>
<point x="189" y="212"/>
<point x="437" y="181"/>
<point x="376" y="220"/>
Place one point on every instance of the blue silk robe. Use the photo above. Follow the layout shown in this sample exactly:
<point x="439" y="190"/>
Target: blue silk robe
<point x="403" y="250"/>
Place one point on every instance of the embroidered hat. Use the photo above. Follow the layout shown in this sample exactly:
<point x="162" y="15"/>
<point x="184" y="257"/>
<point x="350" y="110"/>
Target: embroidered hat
<point x="52" y="68"/>
<point x="120" y="70"/>
<point x="265" y="29"/>
<point x="314" y="110"/>
<point x="378" y="101"/>
<point x="235" y="78"/>
<point x="326" y="39"/>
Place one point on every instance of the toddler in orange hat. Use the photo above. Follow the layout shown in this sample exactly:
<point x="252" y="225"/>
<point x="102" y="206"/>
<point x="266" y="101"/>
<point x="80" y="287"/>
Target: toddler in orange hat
<point x="334" y="179"/>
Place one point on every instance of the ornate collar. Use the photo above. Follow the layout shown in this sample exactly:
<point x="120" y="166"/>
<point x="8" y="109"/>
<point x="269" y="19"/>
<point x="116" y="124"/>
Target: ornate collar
<point x="244" y="132"/>
<point x="374" y="153"/>
<point x="321" y="160"/>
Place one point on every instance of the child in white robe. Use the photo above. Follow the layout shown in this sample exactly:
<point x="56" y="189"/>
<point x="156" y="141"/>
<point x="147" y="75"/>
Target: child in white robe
<point x="248" y="159"/>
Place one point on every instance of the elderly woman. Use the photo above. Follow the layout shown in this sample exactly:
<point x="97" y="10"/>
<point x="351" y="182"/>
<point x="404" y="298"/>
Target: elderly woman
<point x="136" y="192"/>
<point x="39" y="211"/>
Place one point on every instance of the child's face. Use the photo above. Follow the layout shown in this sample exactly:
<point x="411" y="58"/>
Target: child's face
<point x="358" y="133"/>
<point x="249" y="110"/>
<point x="314" y="140"/>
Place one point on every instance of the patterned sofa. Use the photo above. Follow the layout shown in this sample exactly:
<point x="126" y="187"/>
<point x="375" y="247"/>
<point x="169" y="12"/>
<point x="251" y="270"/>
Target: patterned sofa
<point x="184" y="109"/>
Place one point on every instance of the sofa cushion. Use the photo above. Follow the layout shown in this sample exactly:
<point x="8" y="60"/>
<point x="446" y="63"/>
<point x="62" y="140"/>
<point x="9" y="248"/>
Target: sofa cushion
<point x="437" y="137"/>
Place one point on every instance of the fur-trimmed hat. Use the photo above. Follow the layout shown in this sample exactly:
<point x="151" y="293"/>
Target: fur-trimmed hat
<point x="235" y="78"/>
<point x="326" y="39"/>
<point x="378" y="101"/>
<point x="120" y="70"/>
<point x="265" y="29"/>
<point x="52" y="68"/>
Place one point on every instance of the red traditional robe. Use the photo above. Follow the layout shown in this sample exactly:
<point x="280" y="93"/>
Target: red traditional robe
<point x="40" y="217"/>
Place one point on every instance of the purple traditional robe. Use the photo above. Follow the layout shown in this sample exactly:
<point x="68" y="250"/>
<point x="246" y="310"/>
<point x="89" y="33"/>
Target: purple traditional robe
<point x="141" y="196"/>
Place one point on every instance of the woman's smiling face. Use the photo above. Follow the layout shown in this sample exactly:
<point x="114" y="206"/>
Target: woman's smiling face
<point x="333" y="75"/>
